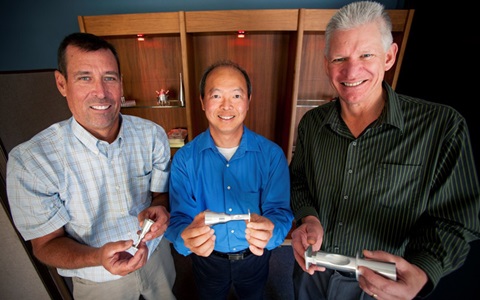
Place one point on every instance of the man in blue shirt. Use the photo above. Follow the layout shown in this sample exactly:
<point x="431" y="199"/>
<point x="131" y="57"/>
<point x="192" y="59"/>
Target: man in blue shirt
<point x="229" y="169"/>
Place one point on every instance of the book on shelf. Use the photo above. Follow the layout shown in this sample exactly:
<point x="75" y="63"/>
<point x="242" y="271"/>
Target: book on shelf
<point x="176" y="137"/>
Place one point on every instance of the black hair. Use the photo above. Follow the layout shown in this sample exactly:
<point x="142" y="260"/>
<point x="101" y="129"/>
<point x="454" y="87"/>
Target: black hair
<point x="224" y="63"/>
<point x="85" y="41"/>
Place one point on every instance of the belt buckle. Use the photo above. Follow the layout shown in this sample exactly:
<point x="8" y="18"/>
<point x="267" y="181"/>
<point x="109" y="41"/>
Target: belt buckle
<point x="235" y="256"/>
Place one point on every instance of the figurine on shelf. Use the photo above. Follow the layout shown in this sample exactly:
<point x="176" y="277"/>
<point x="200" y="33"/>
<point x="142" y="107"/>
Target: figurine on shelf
<point x="162" y="96"/>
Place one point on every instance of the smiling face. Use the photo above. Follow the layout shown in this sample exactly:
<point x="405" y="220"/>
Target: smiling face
<point x="93" y="90"/>
<point x="357" y="63"/>
<point x="226" y="103"/>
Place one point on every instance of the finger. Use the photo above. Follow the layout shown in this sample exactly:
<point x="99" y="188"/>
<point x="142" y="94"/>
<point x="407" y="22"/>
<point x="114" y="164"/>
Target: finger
<point x="262" y="235"/>
<point x="193" y="232"/>
<point x="256" y="250"/>
<point x="206" y="248"/>
<point x="379" y="255"/>
<point x="311" y="236"/>
<point x="119" y="246"/>
<point x="300" y="260"/>
<point x="257" y="243"/>
<point x="198" y="233"/>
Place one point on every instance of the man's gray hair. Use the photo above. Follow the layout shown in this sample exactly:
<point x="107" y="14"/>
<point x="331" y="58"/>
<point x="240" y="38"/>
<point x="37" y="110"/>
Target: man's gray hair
<point x="357" y="14"/>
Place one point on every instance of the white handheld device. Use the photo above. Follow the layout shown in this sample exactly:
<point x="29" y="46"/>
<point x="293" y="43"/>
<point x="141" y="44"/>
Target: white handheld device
<point x="145" y="229"/>
<point x="215" y="218"/>
<point x="349" y="264"/>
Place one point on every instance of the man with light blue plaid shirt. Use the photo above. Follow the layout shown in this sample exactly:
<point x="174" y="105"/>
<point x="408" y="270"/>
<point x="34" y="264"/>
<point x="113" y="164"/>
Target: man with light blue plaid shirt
<point x="81" y="189"/>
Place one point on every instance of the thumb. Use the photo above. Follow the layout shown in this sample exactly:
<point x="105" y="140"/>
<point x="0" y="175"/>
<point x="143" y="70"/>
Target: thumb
<point x="311" y="236"/>
<point x="199" y="219"/>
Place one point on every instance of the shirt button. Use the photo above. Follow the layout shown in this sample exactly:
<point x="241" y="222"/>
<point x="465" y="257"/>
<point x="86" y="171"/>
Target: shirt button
<point x="228" y="165"/>
<point x="336" y="248"/>
<point x="354" y="143"/>
<point x="232" y="231"/>
<point x="228" y="187"/>
<point x="230" y="209"/>
<point x="117" y="188"/>
<point x="350" y="171"/>
<point x="234" y="249"/>
<point x="340" y="224"/>
<point x="345" y="197"/>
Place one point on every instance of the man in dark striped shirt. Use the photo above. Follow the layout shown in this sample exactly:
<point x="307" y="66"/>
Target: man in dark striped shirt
<point x="378" y="173"/>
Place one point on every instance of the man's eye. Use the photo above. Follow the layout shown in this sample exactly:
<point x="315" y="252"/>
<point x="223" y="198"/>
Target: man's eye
<point x="367" y="55"/>
<point x="110" y="79"/>
<point x="340" y="59"/>
<point x="238" y="96"/>
<point x="84" y="78"/>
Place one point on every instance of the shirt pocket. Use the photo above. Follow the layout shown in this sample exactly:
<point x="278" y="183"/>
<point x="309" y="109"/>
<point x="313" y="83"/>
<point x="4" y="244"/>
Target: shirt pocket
<point x="139" y="196"/>
<point x="397" y="185"/>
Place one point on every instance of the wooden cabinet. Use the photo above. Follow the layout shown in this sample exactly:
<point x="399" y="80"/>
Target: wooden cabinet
<point x="150" y="65"/>
<point x="282" y="51"/>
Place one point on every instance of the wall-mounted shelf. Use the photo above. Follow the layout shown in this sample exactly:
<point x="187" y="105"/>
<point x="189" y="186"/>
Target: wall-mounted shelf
<point x="155" y="104"/>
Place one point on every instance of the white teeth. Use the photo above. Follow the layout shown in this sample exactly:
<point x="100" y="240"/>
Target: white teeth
<point x="103" y="107"/>
<point x="225" y="118"/>
<point x="353" y="83"/>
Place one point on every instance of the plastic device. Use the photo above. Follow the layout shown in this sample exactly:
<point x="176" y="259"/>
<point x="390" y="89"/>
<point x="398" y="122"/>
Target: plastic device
<point x="212" y="218"/>
<point x="349" y="264"/>
<point x="145" y="229"/>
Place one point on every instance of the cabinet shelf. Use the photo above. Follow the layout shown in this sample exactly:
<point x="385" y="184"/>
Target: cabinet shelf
<point x="154" y="104"/>
<point x="311" y="102"/>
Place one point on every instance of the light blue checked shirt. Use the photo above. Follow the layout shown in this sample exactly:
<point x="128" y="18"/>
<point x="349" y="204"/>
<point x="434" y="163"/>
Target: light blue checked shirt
<point x="64" y="176"/>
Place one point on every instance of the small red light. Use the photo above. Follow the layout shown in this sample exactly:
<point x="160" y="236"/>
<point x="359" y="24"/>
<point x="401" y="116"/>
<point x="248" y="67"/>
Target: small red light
<point x="140" y="37"/>
<point x="241" y="34"/>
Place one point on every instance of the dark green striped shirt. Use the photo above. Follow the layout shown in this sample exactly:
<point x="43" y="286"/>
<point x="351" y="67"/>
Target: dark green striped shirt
<point x="407" y="185"/>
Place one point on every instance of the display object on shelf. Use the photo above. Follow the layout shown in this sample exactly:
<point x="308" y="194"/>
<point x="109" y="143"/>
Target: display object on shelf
<point x="128" y="103"/>
<point x="162" y="96"/>
<point x="176" y="137"/>
<point x="181" y="96"/>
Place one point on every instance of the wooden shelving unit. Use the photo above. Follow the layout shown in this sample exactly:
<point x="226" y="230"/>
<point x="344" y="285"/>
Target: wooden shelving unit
<point x="282" y="51"/>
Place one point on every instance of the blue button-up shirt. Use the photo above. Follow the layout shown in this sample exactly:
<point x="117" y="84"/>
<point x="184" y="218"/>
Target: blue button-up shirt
<point x="65" y="177"/>
<point x="256" y="178"/>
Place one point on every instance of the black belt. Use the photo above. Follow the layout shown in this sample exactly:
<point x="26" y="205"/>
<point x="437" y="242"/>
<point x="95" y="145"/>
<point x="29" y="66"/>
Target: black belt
<point x="347" y="274"/>
<point x="233" y="256"/>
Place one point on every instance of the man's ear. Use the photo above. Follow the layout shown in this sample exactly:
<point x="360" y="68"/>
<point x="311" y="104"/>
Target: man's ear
<point x="391" y="56"/>
<point x="121" y="83"/>
<point x="325" y="65"/>
<point x="61" y="82"/>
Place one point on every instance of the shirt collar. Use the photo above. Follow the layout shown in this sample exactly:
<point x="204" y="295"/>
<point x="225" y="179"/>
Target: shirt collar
<point x="89" y="140"/>
<point x="392" y="113"/>
<point x="247" y="142"/>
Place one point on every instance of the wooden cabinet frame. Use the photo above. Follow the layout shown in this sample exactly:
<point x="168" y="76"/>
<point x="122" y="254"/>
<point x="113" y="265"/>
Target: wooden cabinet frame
<point x="281" y="51"/>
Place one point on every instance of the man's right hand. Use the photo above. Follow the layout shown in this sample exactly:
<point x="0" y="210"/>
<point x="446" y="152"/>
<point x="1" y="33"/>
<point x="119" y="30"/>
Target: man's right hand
<point x="309" y="233"/>
<point x="57" y="250"/>
<point x="198" y="237"/>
